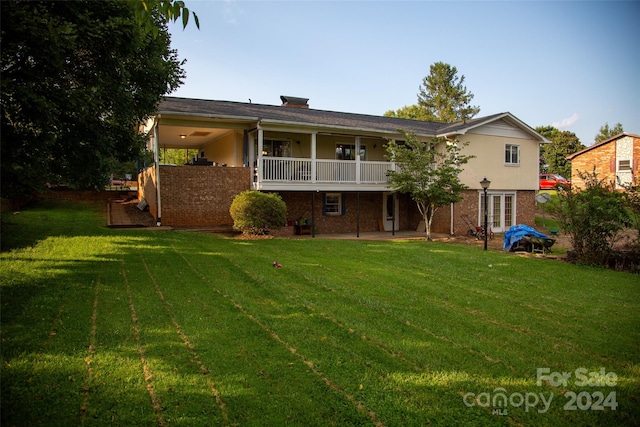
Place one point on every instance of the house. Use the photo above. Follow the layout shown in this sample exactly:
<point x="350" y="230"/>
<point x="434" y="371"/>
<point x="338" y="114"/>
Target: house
<point x="614" y="159"/>
<point x="329" y="167"/>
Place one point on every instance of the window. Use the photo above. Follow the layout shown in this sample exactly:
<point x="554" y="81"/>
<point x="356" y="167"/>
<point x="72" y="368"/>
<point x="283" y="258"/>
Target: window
<point x="276" y="148"/>
<point x="512" y="154"/>
<point x="333" y="204"/>
<point x="348" y="152"/>
<point x="624" y="165"/>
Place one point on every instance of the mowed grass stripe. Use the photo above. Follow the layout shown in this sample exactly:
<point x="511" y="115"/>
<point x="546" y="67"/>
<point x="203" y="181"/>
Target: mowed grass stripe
<point x="91" y="352"/>
<point x="178" y="388"/>
<point x="546" y="329"/>
<point x="188" y="344"/>
<point x="349" y="299"/>
<point x="117" y="389"/>
<point x="146" y="369"/>
<point x="318" y="337"/>
<point x="528" y="374"/>
<point x="292" y="350"/>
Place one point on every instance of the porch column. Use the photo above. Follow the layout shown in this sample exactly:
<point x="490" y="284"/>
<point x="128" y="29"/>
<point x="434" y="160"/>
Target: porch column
<point x="358" y="214"/>
<point x="259" y="154"/>
<point x="253" y="159"/>
<point x="313" y="156"/>
<point x="357" y="160"/>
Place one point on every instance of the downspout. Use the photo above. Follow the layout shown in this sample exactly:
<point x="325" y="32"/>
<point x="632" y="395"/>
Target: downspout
<point x="156" y="159"/>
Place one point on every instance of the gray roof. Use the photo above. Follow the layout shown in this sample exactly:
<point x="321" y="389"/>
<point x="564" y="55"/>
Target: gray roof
<point x="250" y="112"/>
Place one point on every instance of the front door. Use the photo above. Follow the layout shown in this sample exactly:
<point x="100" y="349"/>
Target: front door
<point x="390" y="211"/>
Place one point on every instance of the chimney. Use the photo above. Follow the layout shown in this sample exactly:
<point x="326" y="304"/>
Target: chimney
<point x="293" y="102"/>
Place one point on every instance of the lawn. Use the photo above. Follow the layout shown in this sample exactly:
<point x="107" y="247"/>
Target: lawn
<point x="150" y="327"/>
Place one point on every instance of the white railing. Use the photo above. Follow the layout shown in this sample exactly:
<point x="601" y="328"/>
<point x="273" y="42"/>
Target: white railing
<point x="289" y="169"/>
<point x="335" y="171"/>
<point x="375" y="172"/>
<point x="286" y="169"/>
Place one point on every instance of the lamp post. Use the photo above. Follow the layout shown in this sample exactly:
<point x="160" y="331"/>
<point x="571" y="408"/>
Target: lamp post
<point x="485" y="183"/>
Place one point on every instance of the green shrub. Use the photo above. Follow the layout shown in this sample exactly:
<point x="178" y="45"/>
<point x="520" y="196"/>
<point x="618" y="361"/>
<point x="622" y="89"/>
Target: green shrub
<point x="255" y="213"/>
<point x="593" y="218"/>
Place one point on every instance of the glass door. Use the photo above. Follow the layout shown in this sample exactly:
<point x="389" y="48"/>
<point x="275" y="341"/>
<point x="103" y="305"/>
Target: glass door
<point x="501" y="211"/>
<point x="390" y="211"/>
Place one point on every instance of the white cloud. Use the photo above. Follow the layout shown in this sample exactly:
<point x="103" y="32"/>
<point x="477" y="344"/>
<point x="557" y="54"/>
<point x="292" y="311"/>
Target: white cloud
<point x="565" y="123"/>
<point x="231" y="11"/>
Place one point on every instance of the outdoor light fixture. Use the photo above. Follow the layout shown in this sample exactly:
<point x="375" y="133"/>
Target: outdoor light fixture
<point x="485" y="183"/>
<point x="183" y="136"/>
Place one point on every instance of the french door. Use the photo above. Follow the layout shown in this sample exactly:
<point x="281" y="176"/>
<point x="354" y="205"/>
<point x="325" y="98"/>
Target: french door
<point x="501" y="211"/>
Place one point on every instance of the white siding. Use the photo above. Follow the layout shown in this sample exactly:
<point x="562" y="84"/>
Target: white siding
<point x="501" y="128"/>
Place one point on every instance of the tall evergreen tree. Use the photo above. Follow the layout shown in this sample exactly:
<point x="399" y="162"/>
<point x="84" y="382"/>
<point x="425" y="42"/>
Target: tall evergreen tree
<point x="442" y="97"/>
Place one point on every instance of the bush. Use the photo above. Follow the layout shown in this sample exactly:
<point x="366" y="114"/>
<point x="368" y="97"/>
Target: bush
<point x="255" y="213"/>
<point x="632" y="197"/>
<point x="593" y="218"/>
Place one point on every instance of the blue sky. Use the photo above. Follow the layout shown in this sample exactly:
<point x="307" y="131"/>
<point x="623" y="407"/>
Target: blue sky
<point x="574" y="65"/>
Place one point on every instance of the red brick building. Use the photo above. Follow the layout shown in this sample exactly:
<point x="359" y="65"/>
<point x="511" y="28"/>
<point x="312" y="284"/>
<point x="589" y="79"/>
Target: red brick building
<point x="615" y="159"/>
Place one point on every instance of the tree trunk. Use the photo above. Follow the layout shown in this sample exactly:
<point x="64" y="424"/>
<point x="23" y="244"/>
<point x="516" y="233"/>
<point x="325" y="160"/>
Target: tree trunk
<point x="427" y="212"/>
<point x="427" y="225"/>
<point x="429" y="217"/>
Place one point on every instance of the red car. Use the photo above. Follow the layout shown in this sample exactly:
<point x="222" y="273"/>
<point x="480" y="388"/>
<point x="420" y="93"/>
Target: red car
<point x="549" y="181"/>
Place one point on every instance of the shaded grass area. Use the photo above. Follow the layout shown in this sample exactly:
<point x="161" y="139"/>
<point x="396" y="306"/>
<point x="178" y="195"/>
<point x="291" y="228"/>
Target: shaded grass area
<point x="131" y="327"/>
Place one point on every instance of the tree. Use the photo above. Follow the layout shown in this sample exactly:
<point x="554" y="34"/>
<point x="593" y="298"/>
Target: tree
<point x="442" y="98"/>
<point x="411" y="112"/>
<point x="606" y="132"/>
<point x="78" y="78"/>
<point x="168" y="10"/>
<point x="428" y="172"/>
<point x="632" y="199"/>
<point x="593" y="218"/>
<point x="553" y="155"/>
<point x="177" y="156"/>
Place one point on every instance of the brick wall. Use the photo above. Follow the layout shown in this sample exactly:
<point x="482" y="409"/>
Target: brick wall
<point x="299" y="206"/>
<point x="603" y="159"/>
<point x="525" y="212"/>
<point x="526" y="208"/>
<point x="200" y="196"/>
<point x="598" y="158"/>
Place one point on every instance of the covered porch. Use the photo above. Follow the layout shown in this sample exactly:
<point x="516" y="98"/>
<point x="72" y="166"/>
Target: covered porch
<point x="299" y="160"/>
<point x="280" y="158"/>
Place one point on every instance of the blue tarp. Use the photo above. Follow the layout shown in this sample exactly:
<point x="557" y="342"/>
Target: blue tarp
<point x="517" y="233"/>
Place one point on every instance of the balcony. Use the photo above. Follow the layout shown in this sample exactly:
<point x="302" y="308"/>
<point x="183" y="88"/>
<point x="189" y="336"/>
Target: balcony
<point x="301" y="174"/>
